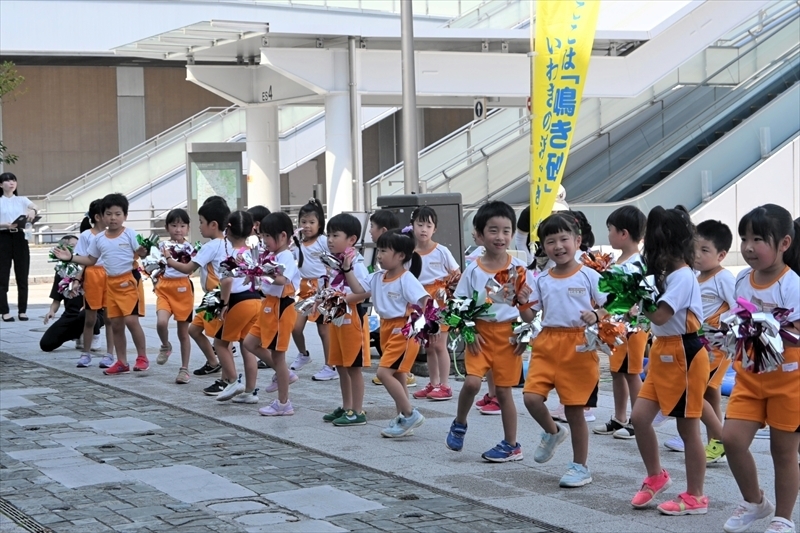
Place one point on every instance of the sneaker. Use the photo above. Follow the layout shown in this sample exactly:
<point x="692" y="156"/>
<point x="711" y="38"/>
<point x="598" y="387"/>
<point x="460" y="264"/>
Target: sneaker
<point x="780" y="525"/>
<point x="276" y="408"/>
<point x="233" y="389"/>
<point x="96" y="343"/>
<point x="411" y="380"/>
<point x="85" y="360"/>
<point x="403" y="426"/>
<point x="377" y="381"/>
<point x="492" y="408"/>
<point x="215" y="388"/>
<point x="455" y="438"/>
<point x="117" y="368"/>
<point x="247" y="397"/>
<point x="762" y="433"/>
<point x="609" y="427"/>
<point x="503" y="453"/>
<point x="141" y="363"/>
<point x="300" y="361"/>
<point x="577" y="476"/>
<point x="660" y="420"/>
<point x="326" y="374"/>
<point x="746" y="513"/>
<point x="79" y="343"/>
<point x="547" y="447"/>
<point x="557" y="414"/>
<point x="483" y="401"/>
<point x="163" y="353"/>
<point x="675" y="444"/>
<point x="440" y="392"/>
<point x="685" y="504"/>
<point x="423" y="392"/>
<point x="625" y="433"/>
<point x="183" y="376"/>
<point x="350" y="418"/>
<point x="273" y="386"/>
<point x="588" y="415"/>
<point x="715" y="452"/>
<point x="651" y="487"/>
<point x="262" y="365"/>
<point x="106" y="361"/>
<point x="330" y="417"/>
<point x="207" y="369"/>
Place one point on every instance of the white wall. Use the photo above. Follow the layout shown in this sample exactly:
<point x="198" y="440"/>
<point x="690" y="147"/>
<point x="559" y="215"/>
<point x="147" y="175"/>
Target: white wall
<point x="774" y="181"/>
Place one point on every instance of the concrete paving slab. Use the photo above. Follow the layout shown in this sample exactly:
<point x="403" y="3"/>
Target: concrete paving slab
<point x="322" y="501"/>
<point x="14" y="401"/>
<point x="84" y="475"/>
<point x="116" y="426"/>
<point x="44" y="453"/>
<point x="305" y="526"/>
<point x="25" y="391"/>
<point x="44" y="421"/>
<point x="265" y="519"/>
<point x="190" y="484"/>
<point x="76" y="439"/>
<point x="237" y="507"/>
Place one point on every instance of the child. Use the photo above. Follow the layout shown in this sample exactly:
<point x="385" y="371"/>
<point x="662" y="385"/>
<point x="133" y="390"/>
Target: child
<point x="437" y="264"/>
<point x="626" y="227"/>
<point x="213" y="216"/>
<point x="566" y="294"/>
<point x="678" y="364"/>
<point x="94" y="289"/>
<point x="118" y="248"/>
<point x="771" y="248"/>
<point x="492" y="349"/>
<point x="240" y="307"/>
<point x="393" y="289"/>
<point x="175" y="297"/>
<point x="258" y="212"/>
<point x="269" y="337"/>
<point x="310" y="248"/>
<point x="349" y="351"/>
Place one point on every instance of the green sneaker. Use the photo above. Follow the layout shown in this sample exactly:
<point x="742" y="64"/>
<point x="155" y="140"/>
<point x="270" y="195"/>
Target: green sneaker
<point x="715" y="452"/>
<point x="350" y="418"/>
<point x="330" y="417"/>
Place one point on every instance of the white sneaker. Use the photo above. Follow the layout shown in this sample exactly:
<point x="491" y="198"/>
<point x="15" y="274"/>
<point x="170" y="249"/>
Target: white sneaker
<point x="247" y="397"/>
<point x="588" y="414"/>
<point x="326" y="374"/>
<point x="780" y="525"/>
<point x="746" y="513"/>
<point x="272" y="387"/>
<point x="96" y="343"/>
<point x="660" y="420"/>
<point x="79" y="343"/>
<point x="675" y="444"/>
<point x="233" y="389"/>
<point x="300" y="361"/>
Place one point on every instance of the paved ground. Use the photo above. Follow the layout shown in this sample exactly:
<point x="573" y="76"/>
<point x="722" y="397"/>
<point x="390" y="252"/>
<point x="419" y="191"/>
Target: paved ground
<point x="161" y="446"/>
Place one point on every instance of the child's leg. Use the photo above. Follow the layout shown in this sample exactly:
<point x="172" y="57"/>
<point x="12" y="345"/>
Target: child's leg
<point x="737" y="436"/>
<point x="694" y="455"/>
<point x="620" y="387"/>
<point x="137" y="334"/>
<point x="471" y="388"/>
<point x="433" y="362"/>
<point x="634" y="382"/>
<point x="346" y="387"/>
<point x="535" y="405"/>
<point x="325" y="337"/>
<point x="197" y="334"/>
<point x="356" y="379"/>
<point x="783" y="447"/>
<point x="443" y="359"/>
<point x="395" y="386"/>
<point x="490" y="384"/>
<point x="644" y="412"/>
<point x="297" y="333"/>
<point x="712" y="423"/>
<point x="508" y="414"/>
<point x="162" y="326"/>
<point x="120" y="341"/>
<point x="225" y="355"/>
<point x="282" y="373"/>
<point x="252" y="344"/>
<point x="88" y="329"/>
<point x="109" y="338"/>
<point x="250" y="363"/>
<point x="186" y="346"/>
<point x="579" y="432"/>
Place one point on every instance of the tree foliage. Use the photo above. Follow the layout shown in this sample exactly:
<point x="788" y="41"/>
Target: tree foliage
<point x="10" y="80"/>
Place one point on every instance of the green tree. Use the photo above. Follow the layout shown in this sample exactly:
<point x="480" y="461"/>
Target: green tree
<point x="10" y="80"/>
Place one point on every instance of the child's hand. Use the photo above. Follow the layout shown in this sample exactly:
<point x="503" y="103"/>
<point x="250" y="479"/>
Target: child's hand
<point x="142" y="252"/>
<point x="519" y="349"/>
<point x="48" y="316"/>
<point x="62" y="253"/>
<point x="524" y="294"/>
<point x="349" y="257"/>
<point x="223" y="313"/>
<point x="634" y="311"/>
<point x="476" y="347"/>
<point x="589" y="317"/>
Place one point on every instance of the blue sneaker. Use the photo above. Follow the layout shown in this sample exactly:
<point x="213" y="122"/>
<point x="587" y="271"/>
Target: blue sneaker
<point x="547" y="447"/>
<point x="503" y="453"/>
<point x="576" y="476"/>
<point x="107" y="361"/>
<point x="455" y="439"/>
<point x="85" y="360"/>
<point x="403" y="426"/>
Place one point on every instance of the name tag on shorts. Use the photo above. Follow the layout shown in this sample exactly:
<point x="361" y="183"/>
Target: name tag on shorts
<point x="123" y="285"/>
<point x="789" y="367"/>
<point x="667" y="359"/>
<point x="267" y="309"/>
<point x="181" y="289"/>
<point x="398" y="331"/>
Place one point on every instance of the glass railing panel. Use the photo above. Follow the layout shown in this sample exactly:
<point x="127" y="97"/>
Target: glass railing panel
<point x="291" y="116"/>
<point x="445" y="152"/>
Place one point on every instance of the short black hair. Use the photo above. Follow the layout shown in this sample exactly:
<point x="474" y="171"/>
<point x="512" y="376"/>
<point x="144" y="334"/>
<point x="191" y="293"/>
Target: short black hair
<point x="115" y="200"/>
<point x="215" y="198"/>
<point x="404" y="243"/>
<point x="258" y="212"/>
<point x="383" y="218"/>
<point x="346" y="223"/>
<point x="176" y="215"/>
<point x="215" y="212"/>
<point x="491" y="210"/>
<point x="276" y="223"/>
<point x="629" y="218"/>
<point x="240" y="224"/>
<point x="717" y="232"/>
<point x="425" y="213"/>
<point x="558" y="222"/>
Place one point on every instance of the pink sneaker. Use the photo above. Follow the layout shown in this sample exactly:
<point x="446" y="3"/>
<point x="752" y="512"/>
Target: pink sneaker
<point x="423" y="392"/>
<point x="276" y="408"/>
<point x="651" y="487"/>
<point x="141" y="364"/>
<point x="440" y="392"/>
<point x="492" y="408"/>
<point x="685" y="504"/>
<point x="483" y="401"/>
<point x="117" y="368"/>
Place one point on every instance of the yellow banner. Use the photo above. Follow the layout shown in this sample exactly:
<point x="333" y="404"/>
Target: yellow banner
<point x="564" y="36"/>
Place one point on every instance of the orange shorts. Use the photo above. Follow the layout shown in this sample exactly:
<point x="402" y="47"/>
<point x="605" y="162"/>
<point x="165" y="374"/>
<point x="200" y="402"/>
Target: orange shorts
<point x="497" y="354"/>
<point x="771" y="397"/>
<point x="308" y="288"/>
<point x="628" y="358"/>
<point x="242" y="314"/>
<point x="350" y="341"/>
<point x="94" y="287"/>
<point x="432" y="289"/>
<point x="176" y="296"/>
<point x="210" y="329"/>
<point x="124" y="295"/>
<point x="718" y="366"/>
<point x="398" y="352"/>
<point x="275" y="323"/>
<point x="555" y="364"/>
<point x="677" y="376"/>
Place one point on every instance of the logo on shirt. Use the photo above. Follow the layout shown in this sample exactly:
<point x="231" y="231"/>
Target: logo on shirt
<point x="577" y="291"/>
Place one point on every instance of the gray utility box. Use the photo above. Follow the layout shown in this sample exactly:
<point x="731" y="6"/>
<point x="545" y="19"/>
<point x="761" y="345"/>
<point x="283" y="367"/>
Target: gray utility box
<point x="448" y="210"/>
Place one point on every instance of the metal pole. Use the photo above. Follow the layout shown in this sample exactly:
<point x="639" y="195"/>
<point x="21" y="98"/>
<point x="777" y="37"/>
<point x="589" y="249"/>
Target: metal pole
<point x="355" y="129"/>
<point x="410" y="153"/>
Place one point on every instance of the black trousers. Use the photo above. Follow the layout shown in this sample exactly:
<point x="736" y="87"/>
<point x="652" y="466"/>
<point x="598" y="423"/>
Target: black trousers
<point x="14" y="247"/>
<point x="67" y="328"/>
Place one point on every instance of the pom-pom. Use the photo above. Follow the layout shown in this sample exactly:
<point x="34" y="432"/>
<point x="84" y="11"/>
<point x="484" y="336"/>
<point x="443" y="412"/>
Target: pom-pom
<point x="211" y="305"/>
<point x="525" y="332"/>
<point x="147" y="242"/>
<point x="628" y="285"/>
<point x="423" y="322"/>
<point x="758" y="335"/>
<point x="505" y="285"/>
<point x="597" y="261"/>
<point x="460" y="315"/>
<point x="603" y="336"/>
